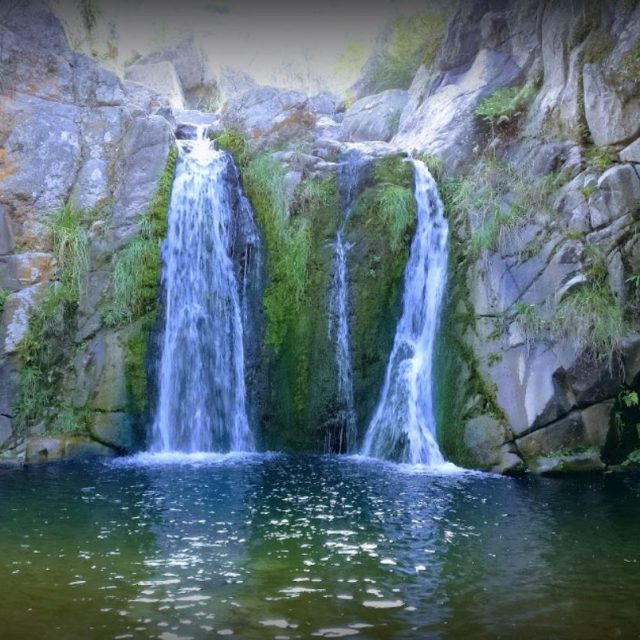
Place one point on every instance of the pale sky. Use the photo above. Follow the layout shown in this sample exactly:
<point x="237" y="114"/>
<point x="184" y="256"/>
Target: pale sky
<point x="277" y="43"/>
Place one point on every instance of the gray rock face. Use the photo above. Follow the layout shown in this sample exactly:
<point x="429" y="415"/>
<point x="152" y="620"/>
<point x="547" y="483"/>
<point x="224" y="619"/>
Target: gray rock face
<point x="70" y="132"/>
<point x="375" y="117"/>
<point x="160" y="77"/>
<point x="486" y="439"/>
<point x="187" y="64"/>
<point x="270" y="116"/>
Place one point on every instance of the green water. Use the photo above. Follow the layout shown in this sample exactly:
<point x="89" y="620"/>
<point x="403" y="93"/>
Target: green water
<point x="284" y="547"/>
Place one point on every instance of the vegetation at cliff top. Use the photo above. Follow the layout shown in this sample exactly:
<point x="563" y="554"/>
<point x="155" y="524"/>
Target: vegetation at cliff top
<point x="413" y="41"/>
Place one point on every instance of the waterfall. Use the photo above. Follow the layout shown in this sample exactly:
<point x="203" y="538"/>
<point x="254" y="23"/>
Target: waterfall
<point x="201" y="405"/>
<point x="349" y="176"/>
<point x="403" y="427"/>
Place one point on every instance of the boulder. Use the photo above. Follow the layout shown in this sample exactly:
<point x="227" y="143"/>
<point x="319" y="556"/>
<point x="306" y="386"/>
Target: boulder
<point x="375" y="117"/>
<point x="233" y="82"/>
<point x="145" y="149"/>
<point x="443" y="122"/>
<point x="631" y="153"/>
<point x="80" y="448"/>
<point x="160" y="77"/>
<point x="612" y="117"/>
<point x="44" y="450"/>
<point x="484" y="437"/>
<point x="618" y="194"/>
<point x="113" y="430"/>
<point x="270" y="116"/>
<point x="190" y="65"/>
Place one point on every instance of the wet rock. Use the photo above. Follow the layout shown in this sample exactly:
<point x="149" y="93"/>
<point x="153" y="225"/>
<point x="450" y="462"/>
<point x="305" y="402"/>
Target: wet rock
<point x="6" y="430"/>
<point x="571" y="463"/>
<point x="44" y="450"/>
<point x="483" y="438"/>
<point x="78" y="448"/>
<point x="113" y="430"/>
<point x="375" y="117"/>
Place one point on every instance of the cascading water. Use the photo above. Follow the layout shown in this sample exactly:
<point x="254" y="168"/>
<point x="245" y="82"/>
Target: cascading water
<point x="403" y="427"/>
<point x="349" y="176"/>
<point x="201" y="405"/>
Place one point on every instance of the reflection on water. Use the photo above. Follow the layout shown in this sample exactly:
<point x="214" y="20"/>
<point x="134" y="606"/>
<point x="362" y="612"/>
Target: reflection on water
<point x="281" y="547"/>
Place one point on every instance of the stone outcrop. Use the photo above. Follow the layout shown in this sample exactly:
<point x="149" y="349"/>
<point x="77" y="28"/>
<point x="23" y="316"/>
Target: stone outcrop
<point x="574" y="140"/>
<point x="180" y="72"/>
<point x="375" y="117"/>
<point x="70" y="132"/>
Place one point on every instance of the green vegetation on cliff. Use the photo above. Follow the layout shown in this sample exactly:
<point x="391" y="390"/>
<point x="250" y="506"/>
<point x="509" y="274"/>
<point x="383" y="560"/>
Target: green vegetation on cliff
<point x="44" y="349"/>
<point x="135" y="290"/>
<point x="303" y="409"/>
<point x="288" y="246"/>
<point x="412" y="41"/>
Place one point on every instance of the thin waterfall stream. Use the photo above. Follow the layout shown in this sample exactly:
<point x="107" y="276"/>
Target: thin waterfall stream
<point x="348" y="176"/>
<point x="403" y="427"/>
<point x="202" y="395"/>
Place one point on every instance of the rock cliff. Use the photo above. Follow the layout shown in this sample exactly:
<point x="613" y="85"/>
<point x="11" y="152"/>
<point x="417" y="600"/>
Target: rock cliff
<point x="528" y="114"/>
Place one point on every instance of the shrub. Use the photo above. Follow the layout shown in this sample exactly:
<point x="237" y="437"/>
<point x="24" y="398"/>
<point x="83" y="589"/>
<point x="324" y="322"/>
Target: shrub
<point x="413" y="41"/>
<point x="505" y="105"/>
<point x="593" y="318"/>
<point x="71" y="248"/>
<point x="397" y="207"/>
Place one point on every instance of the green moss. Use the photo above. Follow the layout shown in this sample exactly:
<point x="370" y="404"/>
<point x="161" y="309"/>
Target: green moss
<point x="397" y="208"/>
<point x="302" y="381"/>
<point x="393" y="170"/>
<point x="288" y="241"/>
<point x="71" y="248"/>
<point x="235" y="143"/>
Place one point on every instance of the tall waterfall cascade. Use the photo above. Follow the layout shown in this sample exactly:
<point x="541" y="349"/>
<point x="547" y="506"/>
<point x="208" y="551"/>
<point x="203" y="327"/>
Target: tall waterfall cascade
<point x="403" y="427"/>
<point x="349" y="175"/>
<point x="202" y="400"/>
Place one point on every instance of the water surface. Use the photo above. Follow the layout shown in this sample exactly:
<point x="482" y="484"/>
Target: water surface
<point x="285" y="547"/>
